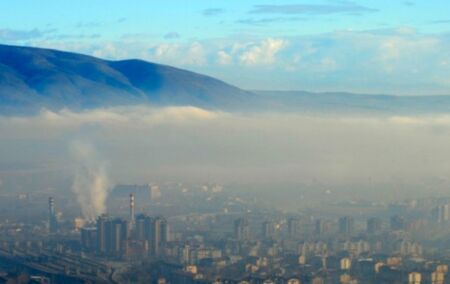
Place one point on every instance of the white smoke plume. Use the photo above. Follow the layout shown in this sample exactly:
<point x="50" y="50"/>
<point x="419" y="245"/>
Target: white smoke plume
<point x="91" y="183"/>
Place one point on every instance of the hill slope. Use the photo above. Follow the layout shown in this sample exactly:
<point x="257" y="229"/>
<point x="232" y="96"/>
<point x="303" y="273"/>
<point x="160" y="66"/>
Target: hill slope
<point x="32" y="78"/>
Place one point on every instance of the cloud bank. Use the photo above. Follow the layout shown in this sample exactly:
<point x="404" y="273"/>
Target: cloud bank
<point x="400" y="61"/>
<point x="145" y="144"/>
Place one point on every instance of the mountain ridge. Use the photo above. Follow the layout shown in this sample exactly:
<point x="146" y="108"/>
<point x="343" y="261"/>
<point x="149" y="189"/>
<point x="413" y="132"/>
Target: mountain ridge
<point x="32" y="78"/>
<point x="35" y="78"/>
<point x="343" y="102"/>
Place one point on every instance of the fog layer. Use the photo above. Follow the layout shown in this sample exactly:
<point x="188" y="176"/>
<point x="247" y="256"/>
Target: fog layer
<point x="143" y="144"/>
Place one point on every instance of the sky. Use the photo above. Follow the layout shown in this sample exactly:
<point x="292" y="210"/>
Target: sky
<point x="383" y="46"/>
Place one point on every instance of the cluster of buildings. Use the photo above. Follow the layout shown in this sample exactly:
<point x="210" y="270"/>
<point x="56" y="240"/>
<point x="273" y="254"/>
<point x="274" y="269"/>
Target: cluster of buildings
<point x="291" y="250"/>
<point x="231" y="240"/>
<point x="139" y="236"/>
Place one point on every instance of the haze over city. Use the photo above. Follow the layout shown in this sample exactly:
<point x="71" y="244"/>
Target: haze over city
<point x="224" y="141"/>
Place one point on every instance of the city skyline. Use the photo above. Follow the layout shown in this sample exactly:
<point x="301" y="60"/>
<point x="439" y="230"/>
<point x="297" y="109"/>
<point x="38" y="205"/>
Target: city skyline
<point x="225" y="142"/>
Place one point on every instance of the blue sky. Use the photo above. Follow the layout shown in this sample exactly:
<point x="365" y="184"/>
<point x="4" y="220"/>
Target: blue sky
<point x="384" y="46"/>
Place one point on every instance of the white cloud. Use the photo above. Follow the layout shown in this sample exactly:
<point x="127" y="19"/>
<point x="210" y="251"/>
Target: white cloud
<point x="397" y="52"/>
<point x="166" y="51"/>
<point x="192" y="54"/>
<point x="263" y="53"/>
<point x="400" y="61"/>
<point x="138" y="116"/>
<point x="195" y="55"/>
<point x="223" y="58"/>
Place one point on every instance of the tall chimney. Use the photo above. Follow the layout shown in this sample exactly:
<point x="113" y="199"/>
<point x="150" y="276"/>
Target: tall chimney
<point x="132" y="208"/>
<point x="52" y="222"/>
<point x="51" y="206"/>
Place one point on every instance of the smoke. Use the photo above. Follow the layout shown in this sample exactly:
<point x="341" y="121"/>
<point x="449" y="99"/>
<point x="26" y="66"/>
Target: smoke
<point x="91" y="182"/>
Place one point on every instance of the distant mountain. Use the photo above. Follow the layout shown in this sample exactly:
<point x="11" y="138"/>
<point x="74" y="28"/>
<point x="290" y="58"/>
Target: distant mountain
<point x="36" y="78"/>
<point x="340" y="102"/>
<point x="32" y="78"/>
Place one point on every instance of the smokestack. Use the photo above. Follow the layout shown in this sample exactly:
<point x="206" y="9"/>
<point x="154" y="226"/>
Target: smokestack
<point x="52" y="222"/>
<point x="131" y="208"/>
<point x="51" y="207"/>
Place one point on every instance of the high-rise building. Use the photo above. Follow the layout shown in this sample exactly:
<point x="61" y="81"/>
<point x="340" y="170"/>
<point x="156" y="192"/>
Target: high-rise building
<point x="374" y="225"/>
<point x="241" y="229"/>
<point x="320" y="227"/>
<point x="267" y="230"/>
<point x="111" y="235"/>
<point x="397" y="223"/>
<point x="155" y="192"/>
<point x="441" y="214"/>
<point x="89" y="238"/>
<point x="346" y="225"/>
<point x="102" y="234"/>
<point x="445" y="217"/>
<point x="118" y="233"/>
<point x="143" y="227"/>
<point x="52" y="220"/>
<point x="414" y="278"/>
<point x="155" y="231"/>
<point x="293" y="227"/>
<point x="160" y="234"/>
